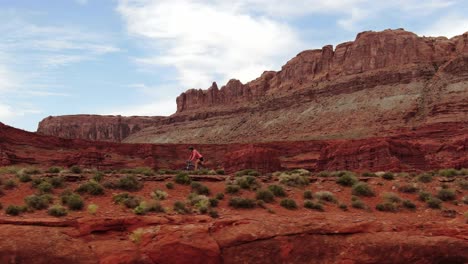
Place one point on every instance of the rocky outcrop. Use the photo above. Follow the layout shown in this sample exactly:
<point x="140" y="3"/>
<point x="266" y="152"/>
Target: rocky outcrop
<point x="95" y="127"/>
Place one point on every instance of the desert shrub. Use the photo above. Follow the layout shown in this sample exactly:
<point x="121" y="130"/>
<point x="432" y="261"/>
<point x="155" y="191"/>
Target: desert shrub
<point x="73" y="201"/>
<point x="132" y="202"/>
<point x="35" y="182"/>
<point x="465" y="199"/>
<point x="198" y="201"/>
<point x="139" y="170"/>
<point x="182" y="178"/>
<point x="57" y="210"/>
<point x="220" y="196"/>
<point x="136" y="235"/>
<point x="424" y="196"/>
<point x="120" y="198"/>
<point x="302" y="172"/>
<point x="129" y="183"/>
<point x="265" y="195"/>
<point x="446" y="195"/>
<point x="288" y="204"/>
<point x="434" y="203"/>
<point x="448" y="172"/>
<point x="45" y="187"/>
<point x="92" y="209"/>
<point x="326" y="196"/>
<point x="38" y="202"/>
<point x="10" y="184"/>
<point x="141" y="209"/>
<point x="213" y="202"/>
<point x="92" y="187"/>
<point x="463" y="184"/>
<point x="362" y="189"/>
<point x="343" y="207"/>
<point x="368" y="174"/>
<point x="408" y="188"/>
<point x="247" y="182"/>
<point x="391" y="197"/>
<point x="24" y="177"/>
<point x="213" y="213"/>
<point x="170" y="185"/>
<point x="57" y="182"/>
<point x="409" y="204"/>
<point x="167" y="171"/>
<point x="154" y="206"/>
<point x="387" y="207"/>
<point x="239" y="202"/>
<point x="277" y="190"/>
<point x="294" y="179"/>
<point x="247" y="172"/>
<point x="159" y="195"/>
<point x="232" y="189"/>
<point x="15" y="210"/>
<point x="179" y="207"/>
<point x="347" y="179"/>
<point x="308" y="194"/>
<point x="75" y="169"/>
<point x="425" y="177"/>
<point x="98" y="176"/>
<point x="324" y="174"/>
<point x="200" y="188"/>
<point x="220" y="172"/>
<point x="56" y="170"/>
<point x="358" y="204"/>
<point x="314" y="206"/>
<point x="388" y="176"/>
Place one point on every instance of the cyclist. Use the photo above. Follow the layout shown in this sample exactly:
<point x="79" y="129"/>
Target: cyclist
<point x="196" y="156"/>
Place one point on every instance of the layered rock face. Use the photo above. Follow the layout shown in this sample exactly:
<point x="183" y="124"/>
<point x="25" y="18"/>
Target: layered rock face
<point x="95" y="127"/>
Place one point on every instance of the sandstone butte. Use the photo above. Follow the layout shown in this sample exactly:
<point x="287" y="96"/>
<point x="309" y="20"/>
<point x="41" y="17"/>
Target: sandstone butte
<point x="388" y="101"/>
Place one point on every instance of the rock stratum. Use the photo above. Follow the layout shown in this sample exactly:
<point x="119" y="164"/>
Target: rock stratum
<point x="375" y="86"/>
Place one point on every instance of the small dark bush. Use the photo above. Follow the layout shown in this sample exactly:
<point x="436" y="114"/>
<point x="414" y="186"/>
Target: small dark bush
<point x="199" y="188"/>
<point x="170" y="185"/>
<point x="75" y="169"/>
<point x="387" y="207"/>
<point x="425" y="177"/>
<point x="57" y="182"/>
<point x="232" y="189"/>
<point x="343" y="207"/>
<point x="73" y="202"/>
<point x="326" y="196"/>
<point x="288" y="204"/>
<point x="182" y="178"/>
<point x="314" y="206"/>
<point x="220" y="172"/>
<point x="392" y="197"/>
<point x="54" y="170"/>
<point x="434" y="203"/>
<point x="409" y="205"/>
<point x="213" y="213"/>
<point x="408" y="188"/>
<point x="388" y="176"/>
<point x="308" y="194"/>
<point x="463" y="184"/>
<point x="362" y="189"/>
<point x="424" y="196"/>
<point x="35" y="182"/>
<point x="179" y="207"/>
<point x="98" y="176"/>
<point x="91" y="187"/>
<point x="265" y="195"/>
<point x="448" y="172"/>
<point x="45" y="187"/>
<point x="347" y="179"/>
<point x="324" y="174"/>
<point x="129" y="183"/>
<point x="145" y="207"/>
<point x="358" y="204"/>
<point x="15" y="210"/>
<point x="247" y="182"/>
<point x="277" y="190"/>
<point x="10" y="184"/>
<point x="25" y="178"/>
<point x="38" y="202"/>
<point x="368" y="174"/>
<point x="214" y="202"/>
<point x="239" y="202"/>
<point x="159" y="194"/>
<point x="247" y="172"/>
<point x="57" y="211"/>
<point x="446" y="195"/>
<point x="220" y="196"/>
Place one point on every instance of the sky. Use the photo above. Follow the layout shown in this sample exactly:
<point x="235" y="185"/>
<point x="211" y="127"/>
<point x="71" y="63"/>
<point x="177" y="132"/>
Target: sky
<point x="134" y="57"/>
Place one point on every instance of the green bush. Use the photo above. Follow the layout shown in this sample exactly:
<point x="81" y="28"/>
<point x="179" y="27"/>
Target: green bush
<point x="249" y="172"/>
<point x="10" y="184"/>
<point x="120" y="198"/>
<point x="145" y="207"/>
<point x="247" y="182"/>
<point x="232" y="189"/>
<point x="220" y="172"/>
<point x="463" y="184"/>
<point x="170" y="185"/>
<point x="57" y="210"/>
<point x="98" y="176"/>
<point x="213" y="213"/>
<point x="139" y="170"/>
<point x="326" y="196"/>
<point x="408" y="188"/>
<point x="424" y="196"/>
<point x="200" y="188"/>
<point x="24" y="178"/>
<point x="75" y="169"/>
<point x="343" y="207"/>
<point x="448" y="172"/>
<point x="159" y="195"/>
<point x="308" y="194"/>
<point x="55" y="170"/>
<point x="214" y="202"/>
<point x="167" y="171"/>
<point x="45" y="187"/>
<point x="295" y="180"/>
<point x="368" y="174"/>
<point x="388" y="176"/>
<point x="446" y="195"/>
<point x="347" y="179"/>
<point x="425" y="177"/>
<point x="391" y="197"/>
<point x="35" y="182"/>
<point x="179" y="207"/>
<point x="324" y="174"/>
<point x="387" y="207"/>
<point x="92" y="187"/>
<point x="288" y="204"/>
<point x="73" y="201"/>
<point x="409" y="205"/>
<point x="362" y="189"/>
<point x="129" y="183"/>
<point x="434" y="203"/>
<point x="92" y="208"/>
<point x="220" y="196"/>
<point x="265" y="195"/>
<point x="358" y="204"/>
<point x="239" y="202"/>
<point x="314" y="206"/>
<point x="182" y="178"/>
<point x="277" y="190"/>
<point x="38" y="202"/>
<point x="57" y="182"/>
<point x="15" y="210"/>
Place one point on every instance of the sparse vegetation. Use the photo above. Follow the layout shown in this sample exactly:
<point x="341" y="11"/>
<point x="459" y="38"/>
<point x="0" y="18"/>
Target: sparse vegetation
<point x="343" y="206"/>
<point x="15" y="210"/>
<point x="239" y="202"/>
<point x="295" y="179"/>
<point x="57" y="210"/>
<point x="362" y="189"/>
<point x="10" y="184"/>
<point x="247" y="172"/>
<point x="24" y="177"/>
<point x="136" y="235"/>
<point x="179" y="207"/>
<point x="182" y="178"/>
<point x="368" y="174"/>
<point x="308" y="194"/>
<point x="314" y="206"/>
<point x="463" y="184"/>
<point x="159" y="195"/>
<point x="326" y="196"/>
<point x="446" y="195"/>
<point x="73" y="201"/>
<point x="388" y="176"/>
<point x="247" y="182"/>
<point x="288" y="204"/>
<point x="45" y="187"/>
<point x="129" y="183"/>
<point x="57" y="181"/>
<point x="347" y="179"/>
<point x="57" y="170"/>
<point x="358" y="204"/>
<point x="75" y="169"/>
<point x="408" y="188"/>
<point x="199" y="188"/>
<point x="93" y="208"/>
<point x="220" y="172"/>
<point x="434" y="203"/>
<point x="92" y="187"/>
<point x="424" y="196"/>
<point x="265" y="195"/>
<point x="409" y="205"/>
<point x="38" y="202"/>
<point x="387" y="207"/>
<point x="391" y="197"/>
<point x="425" y="177"/>
<point x="220" y="196"/>
<point x="214" y="202"/>
<point x="232" y="189"/>
<point x="448" y="172"/>
<point x="213" y="213"/>
<point x="146" y="207"/>
<point x="277" y="190"/>
<point x="98" y="176"/>
<point x="324" y="174"/>
<point x="170" y="185"/>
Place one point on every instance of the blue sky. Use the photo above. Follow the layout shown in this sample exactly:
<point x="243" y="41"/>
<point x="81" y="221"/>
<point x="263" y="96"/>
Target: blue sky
<point x="133" y="57"/>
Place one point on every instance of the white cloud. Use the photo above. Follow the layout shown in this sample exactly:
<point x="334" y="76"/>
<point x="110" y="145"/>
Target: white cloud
<point x="449" y="26"/>
<point x="209" y="41"/>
